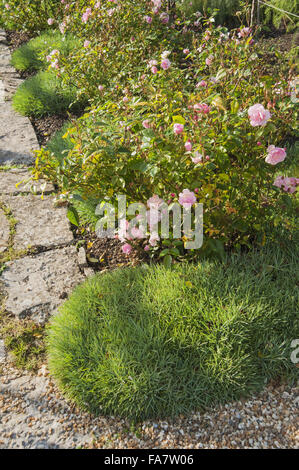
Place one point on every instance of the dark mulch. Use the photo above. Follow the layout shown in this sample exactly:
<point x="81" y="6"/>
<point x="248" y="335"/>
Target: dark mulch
<point x="46" y="126"/>
<point x="106" y="253"/>
<point x="17" y="38"/>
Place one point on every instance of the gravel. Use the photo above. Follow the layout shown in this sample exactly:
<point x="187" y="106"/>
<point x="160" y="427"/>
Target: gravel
<point x="35" y="415"/>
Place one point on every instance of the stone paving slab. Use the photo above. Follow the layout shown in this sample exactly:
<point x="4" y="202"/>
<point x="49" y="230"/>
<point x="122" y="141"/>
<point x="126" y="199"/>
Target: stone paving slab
<point x="4" y="231"/>
<point x="35" y="417"/>
<point x="36" y="285"/>
<point x="17" y="137"/>
<point x="39" y="223"/>
<point x="9" y="180"/>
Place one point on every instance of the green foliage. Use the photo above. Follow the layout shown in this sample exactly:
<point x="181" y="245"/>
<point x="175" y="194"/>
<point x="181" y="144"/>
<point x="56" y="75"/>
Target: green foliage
<point x="29" y="15"/>
<point x="43" y="95"/>
<point x="58" y="146"/>
<point x="280" y="18"/>
<point x="32" y="55"/>
<point x="116" y="154"/>
<point x="86" y="208"/>
<point x="226" y="8"/>
<point x="152" y="342"/>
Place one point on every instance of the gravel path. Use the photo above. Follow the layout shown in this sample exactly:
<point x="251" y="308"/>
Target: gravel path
<point x="34" y="415"/>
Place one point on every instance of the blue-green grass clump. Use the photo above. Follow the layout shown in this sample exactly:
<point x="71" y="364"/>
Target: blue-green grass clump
<point x="151" y="342"/>
<point x="44" y="94"/>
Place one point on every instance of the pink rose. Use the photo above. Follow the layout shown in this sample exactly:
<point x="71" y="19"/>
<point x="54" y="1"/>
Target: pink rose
<point x="258" y="115"/>
<point x="154" y="202"/>
<point x="127" y="248"/>
<point x="178" y="128"/>
<point x="209" y="60"/>
<point x="202" y="83"/>
<point x="101" y="87"/>
<point x="164" y="17"/>
<point x="50" y="21"/>
<point x="146" y="124"/>
<point x="289" y="185"/>
<point x="275" y="155"/>
<point x="154" y="238"/>
<point x="148" y="19"/>
<point x="188" y="146"/>
<point x="186" y="51"/>
<point x="202" y="108"/>
<point x="197" y="158"/>
<point x="165" y="64"/>
<point x="187" y="198"/>
<point x="154" y="69"/>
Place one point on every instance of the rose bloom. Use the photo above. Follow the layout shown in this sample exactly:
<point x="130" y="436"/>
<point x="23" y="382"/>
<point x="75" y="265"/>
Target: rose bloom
<point x="187" y="198"/>
<point x="244" y="32"/>
<point x="289" y="185"/>
<point x="164" y="17"/>
<point x="186" y="51"/>
<point x="197" y="158"/>
<point x="154" y="202"/>
<point x="165" y="64"/>
<point x="258" y="115"/>
<point x="148" y="19"/>
<point x="154" y="69"/>
<point x="50" y="21"/>
<point x="188" y="146"/>
<point x="127" y="248"/>
<point x="209" y="60"/>
<point x="154" y="238"/>
<point x="101" y="87"/>
<point x="275" y="155"/>
<point x="178" y="128"/>
<point x="146" y="124"/>
<point x="202" y="108"/>
<point x="202" y="83"/>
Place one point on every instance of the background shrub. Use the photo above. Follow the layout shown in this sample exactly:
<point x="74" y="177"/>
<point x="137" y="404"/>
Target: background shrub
<point x="151" y="342"/>
<point x="28" y="15"/>
<point x="43" y="95"/>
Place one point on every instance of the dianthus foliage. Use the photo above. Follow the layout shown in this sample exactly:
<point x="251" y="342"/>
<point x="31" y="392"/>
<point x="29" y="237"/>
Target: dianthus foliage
<point x="43" y="94"/>
<point x="151" y="342"/>
<point x="180" y="109"/>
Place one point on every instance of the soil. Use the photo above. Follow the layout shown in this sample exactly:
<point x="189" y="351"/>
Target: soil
<point x="106" y="253"/>
<point x="46" y="126"/>
<point x="17" y="38"/>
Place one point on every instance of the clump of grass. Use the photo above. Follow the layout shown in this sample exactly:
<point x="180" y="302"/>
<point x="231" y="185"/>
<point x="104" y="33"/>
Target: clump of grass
<point x="152" y="342"/>
<point x="43" y="95"/>
<point x="58" y="145"/>
<point x="32" y="55"/>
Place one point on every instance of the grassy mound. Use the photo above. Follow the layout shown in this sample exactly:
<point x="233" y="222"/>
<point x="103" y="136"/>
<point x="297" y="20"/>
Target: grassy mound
<point x="151" y="342"/>
<point x="32" y="56"/>
<point x="43" y="95"/>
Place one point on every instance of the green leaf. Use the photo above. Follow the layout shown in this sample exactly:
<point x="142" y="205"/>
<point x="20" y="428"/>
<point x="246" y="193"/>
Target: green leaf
<point x="178" y="120"/>
<point x="73" y="216"/>
<point x="167" y="261"/>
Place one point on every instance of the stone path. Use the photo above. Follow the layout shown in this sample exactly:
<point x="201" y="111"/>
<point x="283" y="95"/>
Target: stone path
<point x="33" y="414"/>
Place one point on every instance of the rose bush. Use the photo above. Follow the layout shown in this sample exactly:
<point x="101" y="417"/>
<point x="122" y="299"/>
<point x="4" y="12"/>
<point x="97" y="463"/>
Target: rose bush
<point x="175" y="109"/>
<point x="29" y="15"/>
